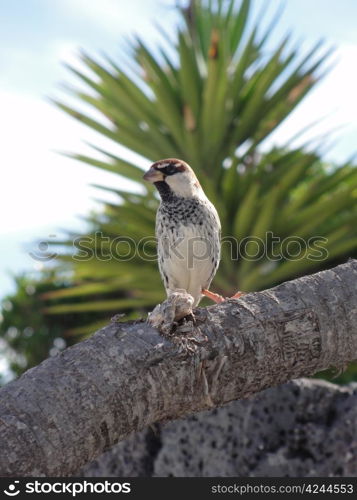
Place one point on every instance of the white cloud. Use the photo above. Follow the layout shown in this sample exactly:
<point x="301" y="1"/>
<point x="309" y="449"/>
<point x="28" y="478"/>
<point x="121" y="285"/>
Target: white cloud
<point x="39" y="186"/>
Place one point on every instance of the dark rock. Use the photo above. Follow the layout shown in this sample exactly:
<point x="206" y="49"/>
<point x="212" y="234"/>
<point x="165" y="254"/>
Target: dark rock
<point x="300" y="429"/>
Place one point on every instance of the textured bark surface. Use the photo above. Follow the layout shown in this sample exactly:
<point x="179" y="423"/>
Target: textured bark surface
<point x="72" y="407"/>
<point x="305" y="428"/>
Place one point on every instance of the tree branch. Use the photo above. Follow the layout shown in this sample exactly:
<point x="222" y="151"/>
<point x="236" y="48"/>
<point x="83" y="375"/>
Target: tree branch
<point x="72" y="407"/>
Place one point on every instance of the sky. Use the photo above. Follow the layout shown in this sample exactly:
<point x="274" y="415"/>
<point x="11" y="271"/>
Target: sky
<point x="41" y="191"/>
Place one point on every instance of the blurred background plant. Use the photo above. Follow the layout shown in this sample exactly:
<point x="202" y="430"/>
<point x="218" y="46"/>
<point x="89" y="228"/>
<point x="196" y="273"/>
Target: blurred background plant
<point x="211" y="94"/>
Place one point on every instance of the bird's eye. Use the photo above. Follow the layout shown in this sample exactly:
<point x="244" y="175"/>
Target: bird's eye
<point x="170" y="169"/>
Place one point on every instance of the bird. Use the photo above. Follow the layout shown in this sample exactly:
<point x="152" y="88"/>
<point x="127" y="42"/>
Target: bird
<point x="188" y="230"/>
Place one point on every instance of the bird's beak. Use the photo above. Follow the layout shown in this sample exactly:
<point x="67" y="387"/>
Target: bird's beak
<point x="153" y="175"/>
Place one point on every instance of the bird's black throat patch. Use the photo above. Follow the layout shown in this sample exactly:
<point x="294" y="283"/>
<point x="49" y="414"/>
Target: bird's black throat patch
<point x="164" y="190"/>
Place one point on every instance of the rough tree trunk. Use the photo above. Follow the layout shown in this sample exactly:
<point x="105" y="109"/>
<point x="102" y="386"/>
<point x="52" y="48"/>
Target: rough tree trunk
<point x="69" y="409"/>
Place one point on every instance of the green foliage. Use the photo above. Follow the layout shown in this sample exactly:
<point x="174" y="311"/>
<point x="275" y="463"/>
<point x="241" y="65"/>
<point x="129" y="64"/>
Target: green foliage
<point x="29" y="335"/>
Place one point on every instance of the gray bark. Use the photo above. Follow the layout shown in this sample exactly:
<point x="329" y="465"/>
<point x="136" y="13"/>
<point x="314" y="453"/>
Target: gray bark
<point x="72" y="407"/>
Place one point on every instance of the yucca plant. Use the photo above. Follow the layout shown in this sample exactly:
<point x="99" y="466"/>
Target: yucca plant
<point x="210" y="96"/>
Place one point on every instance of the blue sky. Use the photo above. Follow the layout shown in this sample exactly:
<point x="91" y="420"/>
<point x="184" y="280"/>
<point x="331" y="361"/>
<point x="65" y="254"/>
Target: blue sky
<point x="41" y="191"/>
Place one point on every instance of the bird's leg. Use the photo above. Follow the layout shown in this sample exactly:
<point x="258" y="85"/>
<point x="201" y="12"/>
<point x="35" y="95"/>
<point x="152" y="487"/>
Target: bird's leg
<point x="218" y="299"/>
<point x="213" y="296"/>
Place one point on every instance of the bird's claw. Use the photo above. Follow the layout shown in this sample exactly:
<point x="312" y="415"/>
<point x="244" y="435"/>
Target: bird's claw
<point x="174" y="308"/>
<point x="237" y="295"/>
<point x="218" y="299"/>
<point x="213" y="296"/>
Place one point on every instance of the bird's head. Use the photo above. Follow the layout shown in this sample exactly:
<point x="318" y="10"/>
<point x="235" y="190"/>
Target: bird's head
<point x="176" y="175"/>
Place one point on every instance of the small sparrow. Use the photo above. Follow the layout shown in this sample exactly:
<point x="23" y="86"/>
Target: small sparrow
<point x="187" y="230"/>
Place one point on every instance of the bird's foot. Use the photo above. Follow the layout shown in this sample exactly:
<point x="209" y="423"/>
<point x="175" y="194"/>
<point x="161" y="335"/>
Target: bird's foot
<point x="218" y="299"/>
<point x="213" y="296"/>
<point x="177" y="305"/>
<point x="237" y="295"/>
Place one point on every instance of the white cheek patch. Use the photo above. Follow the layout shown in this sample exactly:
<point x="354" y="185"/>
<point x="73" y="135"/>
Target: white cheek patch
<point x="181" y="184"/>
